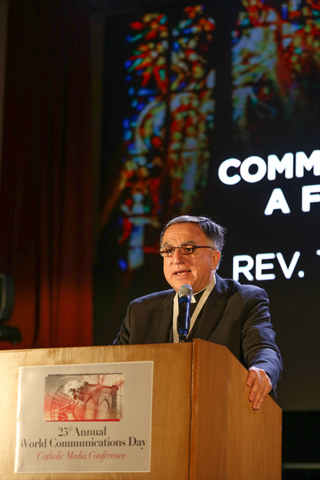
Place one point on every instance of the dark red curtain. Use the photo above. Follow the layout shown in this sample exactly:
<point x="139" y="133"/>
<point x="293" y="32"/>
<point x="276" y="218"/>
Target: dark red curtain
<point x="46" y="180"/>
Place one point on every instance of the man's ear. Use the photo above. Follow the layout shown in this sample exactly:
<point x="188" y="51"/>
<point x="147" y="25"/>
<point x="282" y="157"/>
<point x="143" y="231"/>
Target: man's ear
<point x="215" y="259"/>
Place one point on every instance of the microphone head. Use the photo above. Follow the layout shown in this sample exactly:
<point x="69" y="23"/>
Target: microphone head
<point x="185" y="291"/>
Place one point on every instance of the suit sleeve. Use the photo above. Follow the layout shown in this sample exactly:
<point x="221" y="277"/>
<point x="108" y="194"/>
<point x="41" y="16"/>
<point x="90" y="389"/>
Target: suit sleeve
<point x="258" y="338"/>
<point x="123" y="337"/>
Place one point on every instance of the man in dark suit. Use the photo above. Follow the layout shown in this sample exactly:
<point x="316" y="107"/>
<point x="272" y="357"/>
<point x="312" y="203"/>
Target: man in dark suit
<point x="224" y="312"/>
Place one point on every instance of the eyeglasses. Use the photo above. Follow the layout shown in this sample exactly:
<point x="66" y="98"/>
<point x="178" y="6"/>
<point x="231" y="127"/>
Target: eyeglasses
<point x="183" y="249"/>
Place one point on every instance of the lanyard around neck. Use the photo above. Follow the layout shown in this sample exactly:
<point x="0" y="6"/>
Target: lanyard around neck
<point x="198" y="308"/>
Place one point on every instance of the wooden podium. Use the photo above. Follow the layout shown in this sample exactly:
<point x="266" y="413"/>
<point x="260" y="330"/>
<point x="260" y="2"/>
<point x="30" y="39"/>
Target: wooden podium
<point x="203" y="426"/>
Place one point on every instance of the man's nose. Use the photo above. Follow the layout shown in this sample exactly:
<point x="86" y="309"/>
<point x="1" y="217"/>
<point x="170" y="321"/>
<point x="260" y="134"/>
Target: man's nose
<point x="177" y="256"/>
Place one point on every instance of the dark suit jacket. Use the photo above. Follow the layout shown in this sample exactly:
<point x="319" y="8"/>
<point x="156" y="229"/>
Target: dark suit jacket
<point x="234" y="315"/>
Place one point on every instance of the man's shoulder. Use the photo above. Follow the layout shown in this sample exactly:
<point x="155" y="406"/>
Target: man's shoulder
<point x="155" y="297"/>
<point x="232" y="287"/>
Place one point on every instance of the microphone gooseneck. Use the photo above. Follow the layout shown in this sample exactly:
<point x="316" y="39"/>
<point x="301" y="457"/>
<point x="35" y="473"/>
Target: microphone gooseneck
<point x="184" y="299"/>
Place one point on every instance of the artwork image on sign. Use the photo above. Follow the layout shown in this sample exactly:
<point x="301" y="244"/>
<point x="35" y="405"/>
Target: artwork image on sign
<point x="83" y="398"/>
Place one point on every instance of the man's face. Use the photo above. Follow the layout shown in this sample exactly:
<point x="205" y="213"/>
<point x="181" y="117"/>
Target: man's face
<point x="197" y="270"/>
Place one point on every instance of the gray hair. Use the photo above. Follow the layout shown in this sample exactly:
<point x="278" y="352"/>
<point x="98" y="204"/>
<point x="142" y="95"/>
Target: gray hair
<point x="214" y="232"/>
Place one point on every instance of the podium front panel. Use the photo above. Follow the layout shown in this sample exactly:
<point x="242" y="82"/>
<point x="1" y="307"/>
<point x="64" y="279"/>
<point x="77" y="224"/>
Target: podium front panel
<point x="171" y="409"/>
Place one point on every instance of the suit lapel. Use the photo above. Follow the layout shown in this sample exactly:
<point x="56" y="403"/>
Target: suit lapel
<point x="164" y="321"/>
<point x="212" y="310"/>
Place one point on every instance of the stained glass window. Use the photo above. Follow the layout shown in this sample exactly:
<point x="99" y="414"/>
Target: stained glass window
<point x="170" y="81"/>
<point x="275" y="68"/>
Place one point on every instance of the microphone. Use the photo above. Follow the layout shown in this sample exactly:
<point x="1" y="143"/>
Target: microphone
<point x="184" y="298"/>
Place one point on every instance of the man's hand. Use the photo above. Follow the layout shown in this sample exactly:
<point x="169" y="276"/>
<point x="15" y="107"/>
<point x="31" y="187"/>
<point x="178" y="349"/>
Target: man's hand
<point x="260" y="385"/>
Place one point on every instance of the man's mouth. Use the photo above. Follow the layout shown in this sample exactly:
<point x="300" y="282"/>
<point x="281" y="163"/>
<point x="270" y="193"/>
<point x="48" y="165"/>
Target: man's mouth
<point x="181" y="272"/>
